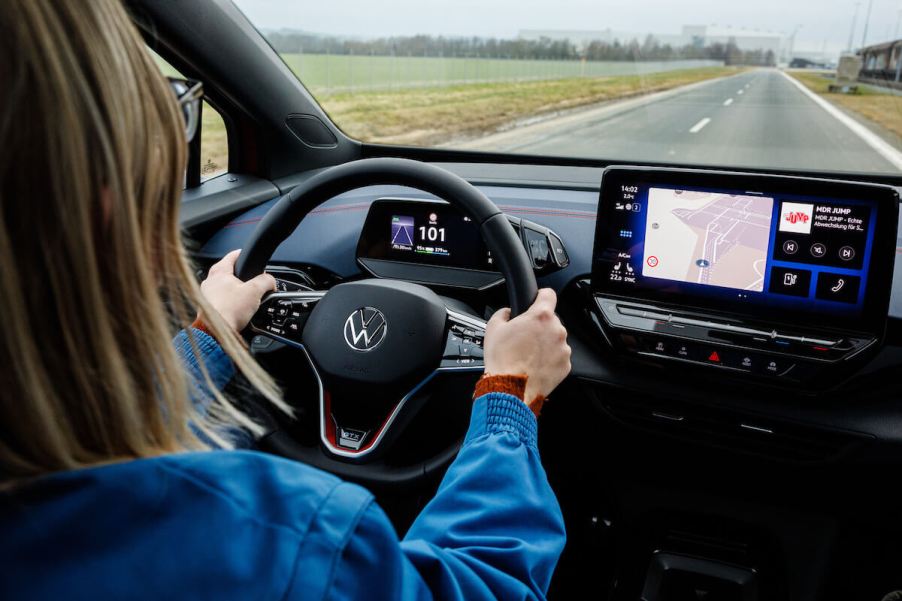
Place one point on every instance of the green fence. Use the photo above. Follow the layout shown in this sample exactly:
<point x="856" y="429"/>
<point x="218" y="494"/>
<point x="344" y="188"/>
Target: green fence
<point x="324" y="73"/>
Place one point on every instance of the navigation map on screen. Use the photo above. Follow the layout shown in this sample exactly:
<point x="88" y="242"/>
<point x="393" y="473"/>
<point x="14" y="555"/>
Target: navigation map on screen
<point x="707" y="238"/>
<point x="402" y="232"/>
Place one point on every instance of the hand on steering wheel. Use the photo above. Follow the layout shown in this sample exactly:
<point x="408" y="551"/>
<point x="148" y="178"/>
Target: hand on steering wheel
<point x="234" y="300"/>
<point x="533" y="344"/>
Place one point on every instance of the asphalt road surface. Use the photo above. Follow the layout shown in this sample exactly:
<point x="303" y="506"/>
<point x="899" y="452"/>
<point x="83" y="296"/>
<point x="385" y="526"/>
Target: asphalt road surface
<point x="754" y="119"/>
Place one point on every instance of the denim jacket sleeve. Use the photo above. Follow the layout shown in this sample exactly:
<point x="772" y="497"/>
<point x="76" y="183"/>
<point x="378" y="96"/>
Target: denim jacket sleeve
<point x="220" y="368"/>
<point x="494" y="530"/>
<point x="211" y="355"/>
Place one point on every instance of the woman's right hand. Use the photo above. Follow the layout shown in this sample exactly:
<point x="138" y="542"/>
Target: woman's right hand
<point x="234" y="300"/>
<point x="532" y="344"/>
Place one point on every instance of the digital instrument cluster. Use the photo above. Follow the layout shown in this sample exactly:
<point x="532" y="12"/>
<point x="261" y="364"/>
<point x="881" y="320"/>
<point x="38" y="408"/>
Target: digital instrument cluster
<point x="431" y="242"/>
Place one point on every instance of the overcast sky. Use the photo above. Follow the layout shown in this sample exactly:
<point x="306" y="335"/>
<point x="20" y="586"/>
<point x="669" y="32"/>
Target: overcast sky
<point x="824" y="22"/>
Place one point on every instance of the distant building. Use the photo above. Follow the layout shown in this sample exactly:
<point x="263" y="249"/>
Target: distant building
<point x="882" y="64"/>
<point x="745" y="39"/>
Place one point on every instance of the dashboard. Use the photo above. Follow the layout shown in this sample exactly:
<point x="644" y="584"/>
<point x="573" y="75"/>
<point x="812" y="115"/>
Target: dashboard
<point x="351" y="236"/>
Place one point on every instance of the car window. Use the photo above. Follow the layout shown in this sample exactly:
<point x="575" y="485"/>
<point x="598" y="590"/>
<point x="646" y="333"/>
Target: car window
<point x="801" y="85"/>
<point x="214" y="143"/>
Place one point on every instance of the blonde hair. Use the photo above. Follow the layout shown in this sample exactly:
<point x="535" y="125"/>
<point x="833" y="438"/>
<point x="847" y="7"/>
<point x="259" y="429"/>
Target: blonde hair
<point x="95" y="278"/>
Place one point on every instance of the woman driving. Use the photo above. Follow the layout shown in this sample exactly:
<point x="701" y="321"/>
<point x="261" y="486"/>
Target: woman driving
<point x="118" y="472"/>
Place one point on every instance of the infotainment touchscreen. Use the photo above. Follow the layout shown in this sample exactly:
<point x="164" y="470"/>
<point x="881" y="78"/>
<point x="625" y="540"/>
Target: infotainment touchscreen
<point x="785" y="249"/>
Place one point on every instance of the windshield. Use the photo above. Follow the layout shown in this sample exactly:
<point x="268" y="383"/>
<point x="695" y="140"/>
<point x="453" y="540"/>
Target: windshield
<point x="805" y="85"/>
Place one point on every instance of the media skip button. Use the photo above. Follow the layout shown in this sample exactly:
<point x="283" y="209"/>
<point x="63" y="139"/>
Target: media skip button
<point x="790" y="247"/>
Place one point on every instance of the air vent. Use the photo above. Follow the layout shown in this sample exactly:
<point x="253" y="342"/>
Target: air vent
<point x="781" y="441"/>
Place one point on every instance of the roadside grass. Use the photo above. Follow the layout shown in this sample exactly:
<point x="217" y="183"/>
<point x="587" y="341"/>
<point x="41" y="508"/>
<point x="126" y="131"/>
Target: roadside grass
<point x="880" y="108"/>
<point x="429" y="116"/>
<point x="214" y="144"/>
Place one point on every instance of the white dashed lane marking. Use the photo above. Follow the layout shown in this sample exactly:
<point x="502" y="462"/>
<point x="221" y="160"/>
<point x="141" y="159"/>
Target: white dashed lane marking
<point x="728" y="102"/>
<point x="698" y="126"/>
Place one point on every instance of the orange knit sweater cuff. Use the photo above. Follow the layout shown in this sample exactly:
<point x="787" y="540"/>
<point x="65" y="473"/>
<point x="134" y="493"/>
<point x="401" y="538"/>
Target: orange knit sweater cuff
<point x="198" y="324"/>
<point x="509" y="384"/>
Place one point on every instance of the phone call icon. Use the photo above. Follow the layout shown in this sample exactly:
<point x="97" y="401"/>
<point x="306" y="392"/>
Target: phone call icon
<point x="838" y="287"/>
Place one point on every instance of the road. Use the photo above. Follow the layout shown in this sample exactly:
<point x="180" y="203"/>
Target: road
<point x="754" y="119"/>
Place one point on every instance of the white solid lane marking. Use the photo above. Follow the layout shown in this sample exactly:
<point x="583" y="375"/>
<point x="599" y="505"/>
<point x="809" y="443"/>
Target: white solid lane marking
<point x="698" y="126"/>
<point x="880" y="145"/>
<point x="728" y="102"/>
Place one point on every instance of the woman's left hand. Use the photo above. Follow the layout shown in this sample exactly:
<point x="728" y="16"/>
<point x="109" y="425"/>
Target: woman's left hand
<point x="234" y="300"/>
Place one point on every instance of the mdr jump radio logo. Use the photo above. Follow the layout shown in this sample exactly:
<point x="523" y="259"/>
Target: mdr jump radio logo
<point x="796" y="217"/>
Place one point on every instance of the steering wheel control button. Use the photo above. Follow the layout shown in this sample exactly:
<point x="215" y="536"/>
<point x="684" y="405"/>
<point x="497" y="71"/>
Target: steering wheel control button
<point x="838" y="287"/>
<point x="261" y="343"/>
<point x="557" y="248"/>
<point x="350" y="438"/>
<point x="471" y="352"/>
<point x="537" y="247"/>
<point x="790" y="281"/>
<point x="463" y="346"/>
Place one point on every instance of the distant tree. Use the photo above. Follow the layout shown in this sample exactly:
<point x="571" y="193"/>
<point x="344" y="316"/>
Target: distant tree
<point x="650" y="49"/>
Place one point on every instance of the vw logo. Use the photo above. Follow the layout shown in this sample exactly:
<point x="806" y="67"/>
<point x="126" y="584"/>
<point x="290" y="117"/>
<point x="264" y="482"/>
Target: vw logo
<point x="365" y="329"/>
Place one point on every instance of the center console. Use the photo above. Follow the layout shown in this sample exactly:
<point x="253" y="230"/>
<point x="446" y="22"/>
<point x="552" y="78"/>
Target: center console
<point x="782" y="278"/>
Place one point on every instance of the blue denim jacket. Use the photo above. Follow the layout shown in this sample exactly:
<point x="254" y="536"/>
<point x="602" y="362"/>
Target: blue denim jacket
<point x="245" y="525"/>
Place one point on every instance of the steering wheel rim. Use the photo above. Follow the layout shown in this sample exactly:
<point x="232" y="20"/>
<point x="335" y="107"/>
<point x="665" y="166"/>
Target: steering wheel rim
<point x="284" y="217"/>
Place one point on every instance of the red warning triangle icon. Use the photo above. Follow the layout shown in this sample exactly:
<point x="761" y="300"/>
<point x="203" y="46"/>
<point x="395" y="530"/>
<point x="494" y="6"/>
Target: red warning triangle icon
<point x="714" y="357"/>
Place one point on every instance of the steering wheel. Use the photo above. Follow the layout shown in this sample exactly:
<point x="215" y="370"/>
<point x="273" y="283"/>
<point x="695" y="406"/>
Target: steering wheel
<point x="374" y="344"/>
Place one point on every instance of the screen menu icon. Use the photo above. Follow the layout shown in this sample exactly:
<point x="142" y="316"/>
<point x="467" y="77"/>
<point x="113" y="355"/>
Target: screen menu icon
<point x="838" y="287"/>
<point x="789" y="281"/>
